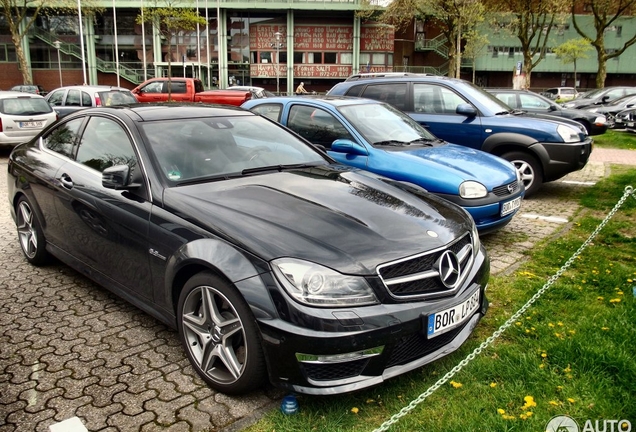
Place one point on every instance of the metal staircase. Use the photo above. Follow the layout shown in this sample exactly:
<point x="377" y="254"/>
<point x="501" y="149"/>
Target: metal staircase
<point x="135" y="76"/>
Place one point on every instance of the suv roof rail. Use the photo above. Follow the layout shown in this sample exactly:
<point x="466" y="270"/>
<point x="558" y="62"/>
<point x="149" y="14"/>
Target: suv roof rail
<point x="360" y="76"/>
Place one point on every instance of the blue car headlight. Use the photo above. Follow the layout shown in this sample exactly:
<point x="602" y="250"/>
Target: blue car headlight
<point x="472" y="189"/>
<point x="316" y="285"/>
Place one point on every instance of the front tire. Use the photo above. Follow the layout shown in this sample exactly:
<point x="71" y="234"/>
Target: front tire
<point x="529" y="168"/>
<point x="30" y="233"/>
<point x="220" y="335"/>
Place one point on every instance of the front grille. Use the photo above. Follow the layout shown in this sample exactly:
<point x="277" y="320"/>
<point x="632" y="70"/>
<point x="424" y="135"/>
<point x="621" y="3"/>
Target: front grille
<point x="413" y="347"/>
<point x="333" y="371"/>
<point x="417" y="276"/>
<point x="508" y="189"/>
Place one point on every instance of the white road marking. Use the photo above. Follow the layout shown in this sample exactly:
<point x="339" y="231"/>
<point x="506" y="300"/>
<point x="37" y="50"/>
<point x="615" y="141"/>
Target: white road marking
<point x="544" y="218"/>
<point x="580" y="183"/>
<point x="73" y="424"/>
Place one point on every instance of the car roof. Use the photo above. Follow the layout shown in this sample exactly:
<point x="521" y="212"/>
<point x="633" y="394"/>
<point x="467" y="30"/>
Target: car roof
<point x="90" y="88"/>
<point x="171" y="111"/>
<point x="10" y="94"/>
<point x="335" y="101"/>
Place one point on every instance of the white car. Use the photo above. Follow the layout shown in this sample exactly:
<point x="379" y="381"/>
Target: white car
<point x="22" y="116"/>
<point x="257" y="92"/>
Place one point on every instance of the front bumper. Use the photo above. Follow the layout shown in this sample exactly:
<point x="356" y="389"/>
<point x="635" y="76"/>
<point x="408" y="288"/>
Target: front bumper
<point x="324" y="351"/>
<point x="560" y="159"/>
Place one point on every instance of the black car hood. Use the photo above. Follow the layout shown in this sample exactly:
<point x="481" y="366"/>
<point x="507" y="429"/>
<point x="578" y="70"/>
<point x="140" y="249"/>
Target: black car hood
<point x="347" y="220"/>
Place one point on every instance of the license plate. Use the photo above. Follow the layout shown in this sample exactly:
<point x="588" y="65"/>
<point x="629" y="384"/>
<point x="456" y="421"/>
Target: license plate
<point x="510" y="206"/>
<point x="448" y="319"/>
<point x="31" y="124"/>
<point x="630" y="124"/>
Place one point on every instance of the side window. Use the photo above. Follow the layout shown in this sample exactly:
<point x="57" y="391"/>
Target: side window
<point x="393" y="94"/>
<point x="508" y="99"/>
<point x="316" y="125"/>
<point x="62" y="138"/>
<point x="86" y="100"/>
<point x="355" y="90"/>
<point x="271" y="111"/>
<point x="615" y="94"/>
<point x="177" y="87"/>
<point x="153" y="87"/>
<point x="56" y="98"/>
<point x="73" y="98"/>
<point x="450" y="100"/>
<point x="104" y="144"/>
<point x="426" y="99"/>
<point x="529" y="101"/>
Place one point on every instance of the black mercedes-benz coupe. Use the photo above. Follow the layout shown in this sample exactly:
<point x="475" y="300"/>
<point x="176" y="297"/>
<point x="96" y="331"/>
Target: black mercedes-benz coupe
<point x="268" y="257"/>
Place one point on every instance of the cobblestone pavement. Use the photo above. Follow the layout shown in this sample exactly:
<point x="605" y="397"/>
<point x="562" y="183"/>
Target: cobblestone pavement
<point x="69" y="348"/>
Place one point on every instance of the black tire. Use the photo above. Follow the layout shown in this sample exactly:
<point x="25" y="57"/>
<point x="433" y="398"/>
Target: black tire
<point x="529" y="168"/>
<point x="222" y="343"/>
<point x="30" y="234"/>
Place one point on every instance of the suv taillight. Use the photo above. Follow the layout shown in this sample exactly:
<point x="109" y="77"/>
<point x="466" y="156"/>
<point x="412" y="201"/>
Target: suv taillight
<point x="1" y="130"/>
<point x="98" y="101"/>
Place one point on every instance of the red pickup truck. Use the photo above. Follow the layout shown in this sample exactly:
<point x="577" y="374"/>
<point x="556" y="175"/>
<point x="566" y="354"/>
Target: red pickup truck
<point x="186" y="90"/>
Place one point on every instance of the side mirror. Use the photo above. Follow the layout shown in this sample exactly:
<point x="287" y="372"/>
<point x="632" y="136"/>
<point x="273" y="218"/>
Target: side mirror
<point x="348" y="147"/>
<point x="117" y="177"/>
<point x="466" y="109"/>
<point x="552" y="108"/>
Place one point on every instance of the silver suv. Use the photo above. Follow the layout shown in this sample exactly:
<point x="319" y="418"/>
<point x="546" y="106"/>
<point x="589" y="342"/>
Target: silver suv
<point x="22" y="116"/>
<point x="66" y="100"/>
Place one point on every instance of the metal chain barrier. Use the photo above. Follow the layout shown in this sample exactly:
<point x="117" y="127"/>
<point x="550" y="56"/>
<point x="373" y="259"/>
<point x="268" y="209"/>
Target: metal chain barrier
<point x="629" y="190"/>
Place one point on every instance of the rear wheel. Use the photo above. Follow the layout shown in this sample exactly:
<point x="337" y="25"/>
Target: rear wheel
<point x="529" y="168"/>
<point x="220" y="335"/>
<point x="30" y="233"/>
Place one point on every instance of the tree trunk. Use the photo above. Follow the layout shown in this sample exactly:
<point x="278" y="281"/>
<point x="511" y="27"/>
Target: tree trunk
<point x="169" y="68"/>
<point x="19" y="52"/>
<point x="452" y="54"/>
<point x="574" y="74"/>
<point x="458" y="51"/>
<point x="602" y="69"/>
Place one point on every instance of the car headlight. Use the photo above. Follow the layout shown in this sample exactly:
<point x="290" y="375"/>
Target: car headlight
<point x="600" y="120"/>
<point x="472" y="189"/>
<point x="316" y="285"/>
<point x="568" y="134"/>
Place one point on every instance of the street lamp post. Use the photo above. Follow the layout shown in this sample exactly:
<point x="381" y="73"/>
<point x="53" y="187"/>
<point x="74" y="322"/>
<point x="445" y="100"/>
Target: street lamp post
<point x="278" y="45"/>
<point x="56" y="44"/>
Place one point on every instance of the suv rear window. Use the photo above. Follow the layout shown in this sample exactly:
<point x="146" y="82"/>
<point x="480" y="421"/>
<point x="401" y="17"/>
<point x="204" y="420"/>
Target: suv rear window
<point x="111" y="98"/>
<point x="24" y="106"/>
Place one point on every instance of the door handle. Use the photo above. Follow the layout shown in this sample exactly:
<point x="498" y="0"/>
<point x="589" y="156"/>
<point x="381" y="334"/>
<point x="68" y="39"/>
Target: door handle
<point x="66" y="181"/>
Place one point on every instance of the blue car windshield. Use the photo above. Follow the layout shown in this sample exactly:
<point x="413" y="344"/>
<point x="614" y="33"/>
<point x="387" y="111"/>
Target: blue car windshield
<point x="382" y="123"/>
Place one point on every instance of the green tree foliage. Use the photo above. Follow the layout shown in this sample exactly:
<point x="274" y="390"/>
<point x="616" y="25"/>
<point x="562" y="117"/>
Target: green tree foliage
<point x="531" y="21"/>
<point x="21" y="15"/>
<point x="572" y="50"/>
<point x="605" y="13"/>
<point x="170" y="20"/>
<point x="455" y="19"/>
<point x="475" y="47"/>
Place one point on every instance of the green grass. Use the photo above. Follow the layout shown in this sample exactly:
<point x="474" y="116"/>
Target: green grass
<point x="573" y="351"/>
<point x="619" y="139"/>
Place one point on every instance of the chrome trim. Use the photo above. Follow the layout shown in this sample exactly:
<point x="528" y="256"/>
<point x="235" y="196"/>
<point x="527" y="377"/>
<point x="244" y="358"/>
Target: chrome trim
<point x="465" y="256"/>
<point x="363" y="354"/>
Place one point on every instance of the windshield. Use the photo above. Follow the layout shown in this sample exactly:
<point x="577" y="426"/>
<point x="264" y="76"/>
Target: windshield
<point x="113" y="97"/>
<point x="217" y="148"/>
<point x="487" y="100"/>
<point x="25" y="106"/>
<point x="592" y="94"/>
<point x="379" y="123"/>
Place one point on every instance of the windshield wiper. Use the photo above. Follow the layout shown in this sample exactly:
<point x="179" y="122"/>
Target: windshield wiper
<point x="211" y="178"/>
<point x="429" y="141"/>
<point x="256" y="170"/>
<point x="390" y="143"/>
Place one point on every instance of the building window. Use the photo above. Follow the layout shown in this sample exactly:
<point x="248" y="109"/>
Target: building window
<point x="331" y="58"/>
<point x="346" y="58"/>
<point x="314" y="57"/>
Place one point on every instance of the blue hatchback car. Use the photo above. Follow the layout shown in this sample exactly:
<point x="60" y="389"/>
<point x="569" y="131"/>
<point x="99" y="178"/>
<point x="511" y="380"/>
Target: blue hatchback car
<point x="377" y="137"/>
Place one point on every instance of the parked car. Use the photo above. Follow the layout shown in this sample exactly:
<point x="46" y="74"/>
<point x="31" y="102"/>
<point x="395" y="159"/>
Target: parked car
<point x="562" y="94"/>
<point x="611" y="109"/>
<point x="186" y="90"/>
<point x="66" y="100"/>
<point x="377" y="137"/>
<point x="30" y="88"/>
<point x="625" y="118"/>
<point x="257" y="92"/>
<point x="599" y="97"/>
<point x="543" y="149"/>
<point x="22" y="116"/>
<point x="534" y="103"/>
<point x="266" y="255"/>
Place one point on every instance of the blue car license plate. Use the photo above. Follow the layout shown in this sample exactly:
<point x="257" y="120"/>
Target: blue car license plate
<point x="510" y="206"/>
